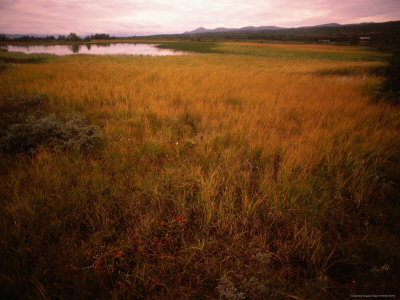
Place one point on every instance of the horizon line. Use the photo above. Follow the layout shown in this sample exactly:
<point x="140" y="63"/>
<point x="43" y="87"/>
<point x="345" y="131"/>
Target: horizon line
<point x="121" y="34"/>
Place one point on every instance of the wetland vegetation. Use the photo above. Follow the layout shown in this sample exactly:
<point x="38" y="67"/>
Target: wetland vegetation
<point x="246" y="171"/>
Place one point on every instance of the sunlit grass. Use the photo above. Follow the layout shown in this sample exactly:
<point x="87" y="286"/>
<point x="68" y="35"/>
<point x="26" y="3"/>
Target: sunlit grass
<point x="302" y="52"/>
<point x="281" y="51"/>
<point x="252" y="170"/>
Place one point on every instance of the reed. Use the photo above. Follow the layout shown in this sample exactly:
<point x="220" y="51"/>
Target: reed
<point x="236" y="174"/>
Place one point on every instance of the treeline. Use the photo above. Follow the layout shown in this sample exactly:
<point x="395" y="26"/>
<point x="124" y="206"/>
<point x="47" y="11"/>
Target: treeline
<point x="72" y="37"/>
<point x="370" y="33"/>
<point x="377" y="34"/>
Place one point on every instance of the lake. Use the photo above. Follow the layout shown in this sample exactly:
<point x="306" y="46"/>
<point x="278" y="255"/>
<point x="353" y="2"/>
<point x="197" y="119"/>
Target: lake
<point x="96" y="49"/>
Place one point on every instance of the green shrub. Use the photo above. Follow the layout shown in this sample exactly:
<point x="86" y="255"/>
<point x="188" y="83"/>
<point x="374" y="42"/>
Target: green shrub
<point x="25" y="126"/>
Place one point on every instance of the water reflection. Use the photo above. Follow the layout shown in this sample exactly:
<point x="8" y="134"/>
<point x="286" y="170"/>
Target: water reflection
<point x="97" y="49"/>
<point x="74" y="48"/>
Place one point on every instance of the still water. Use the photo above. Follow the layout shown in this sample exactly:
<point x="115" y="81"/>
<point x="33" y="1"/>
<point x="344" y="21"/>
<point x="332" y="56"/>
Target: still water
<point x="96" y="49"/>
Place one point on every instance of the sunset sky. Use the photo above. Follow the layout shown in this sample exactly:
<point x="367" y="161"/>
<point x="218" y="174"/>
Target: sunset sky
<point x="139" y="17"/>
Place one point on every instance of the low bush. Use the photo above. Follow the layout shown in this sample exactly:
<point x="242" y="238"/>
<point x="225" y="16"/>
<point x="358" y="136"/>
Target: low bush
<point x="25" y="126"/>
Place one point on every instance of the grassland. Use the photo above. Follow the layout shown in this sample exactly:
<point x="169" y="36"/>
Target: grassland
<point x="256" y="172"/>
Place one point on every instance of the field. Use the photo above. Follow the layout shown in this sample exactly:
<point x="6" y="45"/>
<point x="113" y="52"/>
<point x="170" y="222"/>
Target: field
<point x="248" y="171"/>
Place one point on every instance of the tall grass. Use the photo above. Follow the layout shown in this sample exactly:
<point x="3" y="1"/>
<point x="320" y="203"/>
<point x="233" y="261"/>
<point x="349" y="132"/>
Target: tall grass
<point x="223" y="175"/>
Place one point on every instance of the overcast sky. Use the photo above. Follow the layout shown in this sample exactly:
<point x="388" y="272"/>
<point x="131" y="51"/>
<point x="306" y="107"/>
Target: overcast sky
<point x="176" y="16"/>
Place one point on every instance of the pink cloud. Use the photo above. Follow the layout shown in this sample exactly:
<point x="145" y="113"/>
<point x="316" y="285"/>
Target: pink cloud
<point x="174" y="16"/>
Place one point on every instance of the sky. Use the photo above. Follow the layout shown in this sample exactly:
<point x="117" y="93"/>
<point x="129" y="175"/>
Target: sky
<point x="140" y="17"/>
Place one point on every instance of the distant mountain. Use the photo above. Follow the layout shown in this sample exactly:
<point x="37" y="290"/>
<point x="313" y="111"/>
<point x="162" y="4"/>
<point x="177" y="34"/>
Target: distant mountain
<point x="254" y="28"/>
<point x="265" y="28"/>
<point x="223" y="29"/>
<point x="323" y="25"/>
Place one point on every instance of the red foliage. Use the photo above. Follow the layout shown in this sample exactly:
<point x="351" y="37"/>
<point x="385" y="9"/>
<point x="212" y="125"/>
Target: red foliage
<point x="119" y="254"/>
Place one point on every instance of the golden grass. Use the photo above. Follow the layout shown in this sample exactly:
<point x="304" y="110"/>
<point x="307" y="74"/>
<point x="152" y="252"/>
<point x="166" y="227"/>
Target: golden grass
<point x="211" y="161"/>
